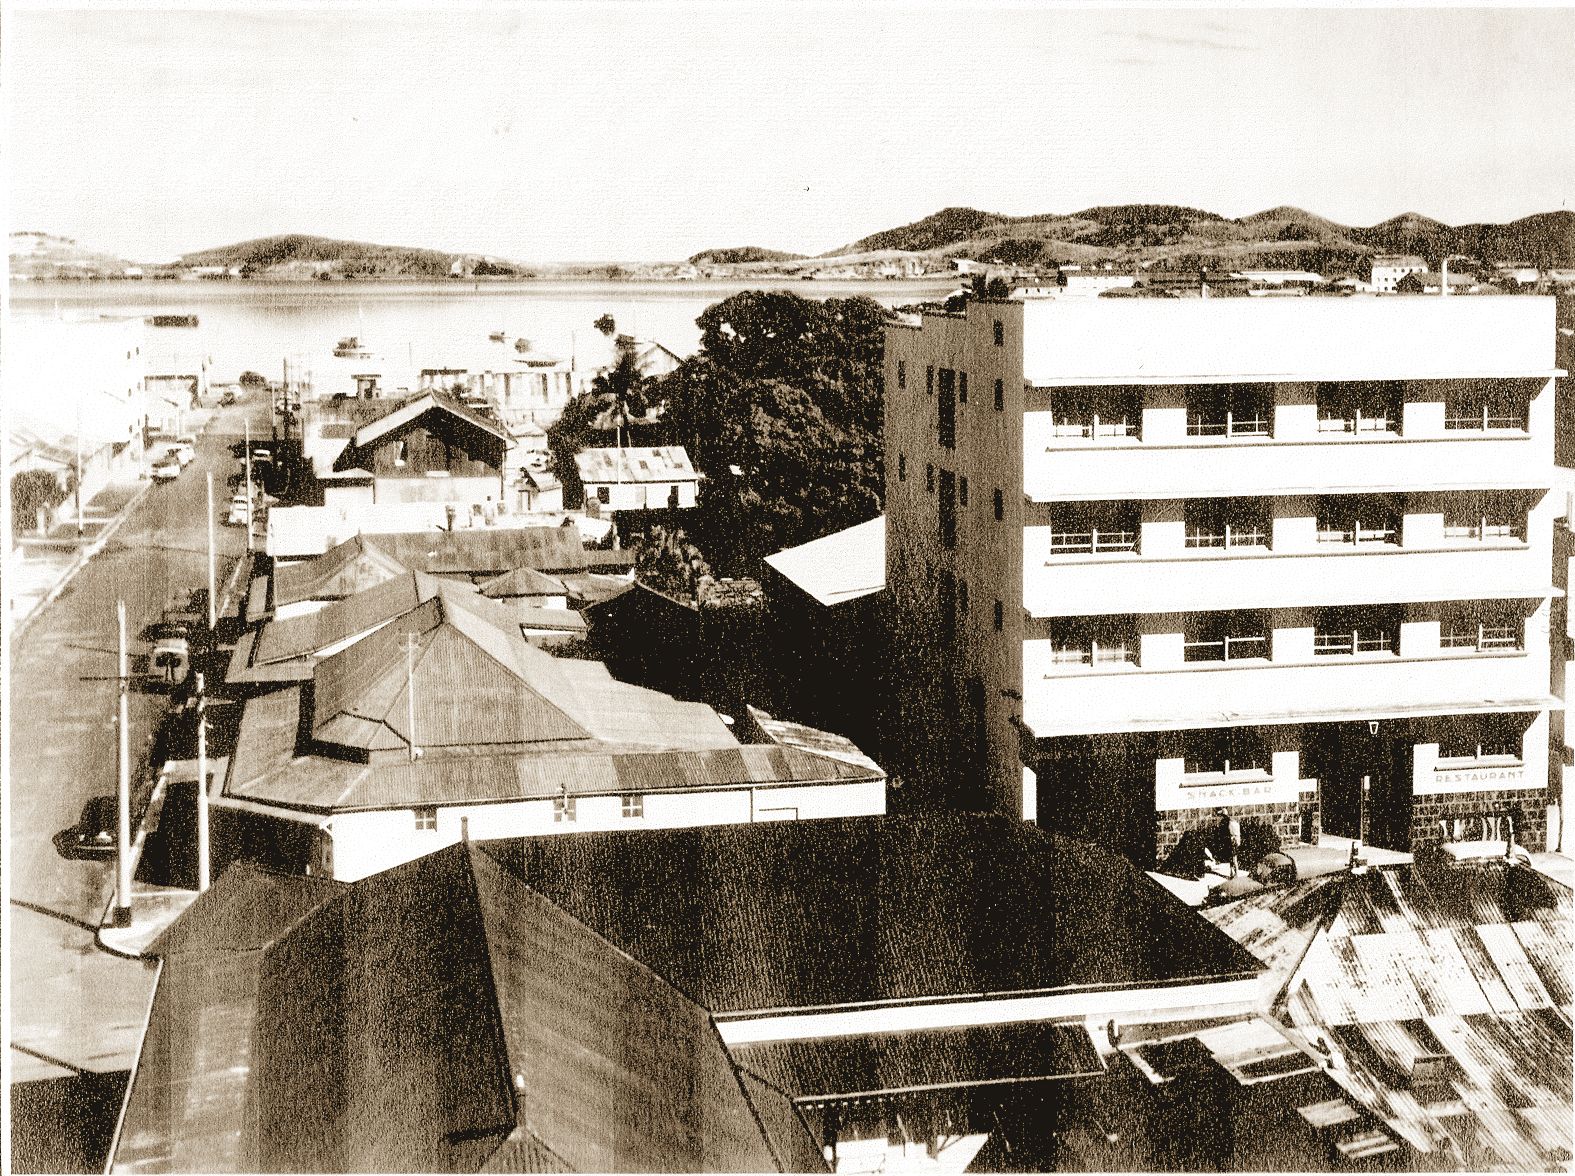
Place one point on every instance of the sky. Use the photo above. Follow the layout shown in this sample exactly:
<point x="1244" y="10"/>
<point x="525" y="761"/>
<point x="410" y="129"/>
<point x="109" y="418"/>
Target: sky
<point x="637" y="132"/>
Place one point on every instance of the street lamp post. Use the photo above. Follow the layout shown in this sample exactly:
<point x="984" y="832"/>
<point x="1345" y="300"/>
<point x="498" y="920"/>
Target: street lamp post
<point x="1443" y="277"/>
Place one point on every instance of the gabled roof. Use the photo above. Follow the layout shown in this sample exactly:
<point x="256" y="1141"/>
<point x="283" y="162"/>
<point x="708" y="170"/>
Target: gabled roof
<point x="872" y="910"/>
<point x="1468" y="965"/>
<point x="371" y="432"/>
<point x="661" y="463"/>
<point x="360" y="612"/>
<point x="442" y="1016"/>
<point x="842" y="566"/>
<point x="474" y="684"/>
<point x="522" y="582"/>
<point x="342" y="570"/>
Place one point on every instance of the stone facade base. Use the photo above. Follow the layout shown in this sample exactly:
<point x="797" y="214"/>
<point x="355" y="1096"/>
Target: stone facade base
<point x="1428" y="811"/>
<point x="1285" y="818"/>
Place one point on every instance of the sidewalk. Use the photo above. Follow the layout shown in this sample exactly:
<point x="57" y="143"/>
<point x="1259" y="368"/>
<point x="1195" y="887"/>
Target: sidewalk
<point x="38" y="569"/>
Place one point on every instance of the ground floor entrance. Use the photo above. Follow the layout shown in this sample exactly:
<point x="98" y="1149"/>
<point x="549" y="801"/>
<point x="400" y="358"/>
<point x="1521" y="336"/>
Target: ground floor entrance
<point x="1364" y="782"/>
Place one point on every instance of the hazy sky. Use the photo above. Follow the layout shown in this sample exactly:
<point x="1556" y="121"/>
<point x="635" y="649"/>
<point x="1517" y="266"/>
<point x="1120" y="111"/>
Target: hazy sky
<point x="548" y="131"/>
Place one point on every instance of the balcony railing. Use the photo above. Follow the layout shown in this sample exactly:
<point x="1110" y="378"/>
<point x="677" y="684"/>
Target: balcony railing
<point x="1095" y="427"/>
<point x="1485" y="530"/>
<point x="1357" y="641"/>
<point x="1250" y="536"/>
<point x="1356" y="533"/>
<point x="1356" y="421"/>
<point x="1089" y="542"/>
<point x="1226" y="649"/>
<point x="1482" y="637"/>
<point x="1094" y="654"/>
<point x="1229" y="425"/>
<point x="1485" y="419"/>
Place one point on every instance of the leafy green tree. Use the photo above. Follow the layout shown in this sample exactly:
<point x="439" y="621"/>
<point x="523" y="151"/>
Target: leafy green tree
<point x="668" y="562"/>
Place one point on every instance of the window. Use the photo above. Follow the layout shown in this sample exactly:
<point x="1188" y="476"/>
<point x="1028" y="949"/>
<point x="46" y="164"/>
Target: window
<point x="1000" y="506"/>
<point x="1000" y="616"/>
<point x="946" y="409"/>
<point x="929" y="381"/>
<point x="902" y="467"/>
<point x="1226" y="636"/>
<point x="1358" y="519"/>
<point x="1483" y="626"/>
<point x="1089" y="413"/>
<point x="562" y="809"/>
<point x="1225" y="752"/>
<point x="1359" y="408"/>
<point x="401" y="453"/>
<point x="426" y="818"/>
<point x="962" y="387"/>
<point x="1093" y="527"/>
<point x="604" y="494"/>
<point x="929" y="478"/>
<point x="1093" y="641"/>
<point x="633" y="804"/>
<point x="948" y="512"/>
<point x="1229" y="412"/>
<point x="962" y="491"/>
<point x="1000" y="333"/>
<point x="1485" y="518"/>
<point x="1347" y="632"/>
<point x="902" y="374"/>
<point x="1469" y="738"/>
<point x="1483" y="410"/>
<point x="1000" y="396"/>
<point x="1220" y="523"/>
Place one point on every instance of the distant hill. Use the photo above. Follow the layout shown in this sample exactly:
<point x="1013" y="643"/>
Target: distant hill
<point x="298" y="255"/>
<point x="742" y="255"/>
<point x="44" y="255"/>
<point x="1283" y="236"/>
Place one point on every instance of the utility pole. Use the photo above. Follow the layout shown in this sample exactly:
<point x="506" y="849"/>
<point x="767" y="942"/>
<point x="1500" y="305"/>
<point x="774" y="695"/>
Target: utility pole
<point x="123" y="792"/>
<point x="204" y="848"/>
<point x="79" y="467"/>
<point x="248" y="480"/>
<point x="212" y="559"/>
<point x="410" y="641"/>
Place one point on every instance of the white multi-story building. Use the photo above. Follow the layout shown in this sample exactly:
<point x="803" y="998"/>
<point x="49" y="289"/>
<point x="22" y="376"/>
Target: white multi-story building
<point x="1388" y="268"/>
<point x="1150" y="557"/>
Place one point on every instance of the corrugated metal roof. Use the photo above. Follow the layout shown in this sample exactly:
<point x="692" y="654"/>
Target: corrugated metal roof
<point x="357" y="613"/>
<point x="639" y="464"/>
<point x="343" y="570"/>
<point x="873" y="909"/>
<point x="438" y="1017"/>
<point x="620" y="1072"/>
<point x="842" y="566"/>
<point x="186" y="1108"/>
<point x="486" y="550"/>
<point x="810" y="739"/>
<point x="836" y="1068"/>
<point x="415" y="407"/>
<point x="522" y="582"/>
<point x="1467" y="965"/>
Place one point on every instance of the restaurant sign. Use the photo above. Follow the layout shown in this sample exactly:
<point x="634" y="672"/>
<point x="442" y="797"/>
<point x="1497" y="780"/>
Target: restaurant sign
<point x="1483" y="779"/>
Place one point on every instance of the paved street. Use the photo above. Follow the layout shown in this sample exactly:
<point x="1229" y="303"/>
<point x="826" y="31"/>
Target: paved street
<point x="73" y="1006"/>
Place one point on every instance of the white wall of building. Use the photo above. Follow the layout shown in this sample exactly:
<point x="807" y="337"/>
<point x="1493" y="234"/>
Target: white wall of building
<point x="364" y="843"/>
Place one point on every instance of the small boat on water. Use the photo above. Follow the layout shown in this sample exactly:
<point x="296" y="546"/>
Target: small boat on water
<point x="498" y="336"/>
<point x="351" y="347"/>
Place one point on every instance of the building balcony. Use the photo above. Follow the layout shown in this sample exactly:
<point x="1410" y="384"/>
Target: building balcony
<point x="1057" y="583"/>
<point x="1058" y="470"/>
<point x="1062" y="699"/>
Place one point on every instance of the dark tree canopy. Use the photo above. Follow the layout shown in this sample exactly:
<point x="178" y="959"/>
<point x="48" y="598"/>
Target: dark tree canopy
<point x="782" y="412"/>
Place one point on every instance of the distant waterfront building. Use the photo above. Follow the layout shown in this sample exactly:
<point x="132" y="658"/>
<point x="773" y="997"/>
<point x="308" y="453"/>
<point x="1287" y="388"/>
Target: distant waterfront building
<point x="1093" y="280"/>
<point x="1147" y="558"/>
<point x="1384" y="270"/>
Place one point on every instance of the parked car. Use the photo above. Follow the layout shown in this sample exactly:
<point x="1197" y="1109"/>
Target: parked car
<point x="167" y="468"/>
<point x="185" y="448"/>
<point x="237" y="515"/>
<point x="93" y="836"/>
